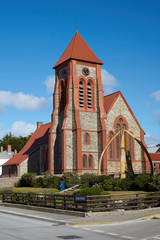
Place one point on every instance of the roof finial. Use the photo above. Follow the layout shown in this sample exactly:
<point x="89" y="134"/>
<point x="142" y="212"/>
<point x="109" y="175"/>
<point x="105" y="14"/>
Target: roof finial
<point x="77" y="27"/>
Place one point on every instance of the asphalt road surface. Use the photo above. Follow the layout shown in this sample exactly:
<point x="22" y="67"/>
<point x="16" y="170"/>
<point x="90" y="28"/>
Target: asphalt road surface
<point x="21" y="228"/>
<point x="145" y="229"/>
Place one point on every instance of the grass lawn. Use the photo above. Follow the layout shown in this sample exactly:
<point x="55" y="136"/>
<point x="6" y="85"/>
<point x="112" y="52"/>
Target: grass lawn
<point x="55" y="191"/>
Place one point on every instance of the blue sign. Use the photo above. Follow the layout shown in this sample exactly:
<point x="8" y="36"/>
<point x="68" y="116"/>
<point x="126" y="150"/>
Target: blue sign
<point x="80" y="198"/>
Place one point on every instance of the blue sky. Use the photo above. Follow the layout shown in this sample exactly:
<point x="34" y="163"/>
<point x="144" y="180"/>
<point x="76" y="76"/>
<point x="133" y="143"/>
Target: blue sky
<point x="124" y="34"/>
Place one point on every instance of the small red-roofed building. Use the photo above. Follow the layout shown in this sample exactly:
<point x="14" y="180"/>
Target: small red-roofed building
<point x="33" y="157"/>
<point x="82" y="122"/>
<point x="156" y="162"/>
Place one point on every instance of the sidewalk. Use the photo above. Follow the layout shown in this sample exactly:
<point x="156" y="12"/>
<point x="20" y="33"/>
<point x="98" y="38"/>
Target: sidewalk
<point x="64" y="218"/>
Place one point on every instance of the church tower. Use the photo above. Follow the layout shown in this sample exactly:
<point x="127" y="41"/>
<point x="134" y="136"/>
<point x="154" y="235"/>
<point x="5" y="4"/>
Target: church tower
<point x="78" y="131"/>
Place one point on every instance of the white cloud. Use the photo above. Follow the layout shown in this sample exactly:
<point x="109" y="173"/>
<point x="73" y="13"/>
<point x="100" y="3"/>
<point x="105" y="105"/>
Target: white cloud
<point x="109" y="81"/>
<point x="156" y="96"/>
<point x="20" y="128"/>
<point x="151" y="140"/>
<point x="49" y="82"/>
<point x="157" y="113"/>
<point x="21" y="101"/>
<point x="1" y="131"/>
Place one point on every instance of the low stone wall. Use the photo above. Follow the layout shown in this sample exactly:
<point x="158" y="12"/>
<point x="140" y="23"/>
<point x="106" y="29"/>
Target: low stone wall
<point x="8" y="182"/>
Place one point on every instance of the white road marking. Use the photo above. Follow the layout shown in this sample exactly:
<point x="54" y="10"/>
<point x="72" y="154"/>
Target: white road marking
<point x="114" y="234"/>
<point x="127" y="237"/>
<point x="86" y="228"/>
<point x="154" y="237"/>
<point x="98" y="231"/>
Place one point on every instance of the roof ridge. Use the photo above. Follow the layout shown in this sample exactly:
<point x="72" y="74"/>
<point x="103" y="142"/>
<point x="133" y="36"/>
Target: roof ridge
<point x="74" y="39"/>
<point x="112" y="94"/>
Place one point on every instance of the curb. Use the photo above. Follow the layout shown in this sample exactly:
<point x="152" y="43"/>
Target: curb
<point x="47" y="210"/>
<point x="103" y="223"/>
<point x="34" y="217"/>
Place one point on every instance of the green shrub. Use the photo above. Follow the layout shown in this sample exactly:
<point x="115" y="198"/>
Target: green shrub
<point x="108" y="184"/>
<point x="88" y="179"/>
<point x="126" y="184"/>
<point x="89" y="191"/>
<point x="116" y="184"/>
<point x="141" y="182"/>
<point x="100" y="179"/>
<point x="51" y="182"/>
<point x="154" y="184"/>
<point x="70" y="179"/>
<point x="38" y="183"/>
<point x="26" y="180"/>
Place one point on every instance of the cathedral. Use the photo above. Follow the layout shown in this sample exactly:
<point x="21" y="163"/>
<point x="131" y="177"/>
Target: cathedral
<point x="83" y="120"/>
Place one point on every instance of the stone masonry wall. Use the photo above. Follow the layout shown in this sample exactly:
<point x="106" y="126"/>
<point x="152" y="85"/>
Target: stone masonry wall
<point x="34" y="162"/>
<point x="8" y="182"/>
<point x="120" y="108"/>
<point x="89" y="120"/>
<point x="24" y="167"/>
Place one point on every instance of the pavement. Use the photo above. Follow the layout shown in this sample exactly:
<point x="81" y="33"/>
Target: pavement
<point x="68" y="218"/>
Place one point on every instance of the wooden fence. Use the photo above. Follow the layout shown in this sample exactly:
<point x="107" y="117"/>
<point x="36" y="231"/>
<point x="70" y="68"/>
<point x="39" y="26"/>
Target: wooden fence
<point x="86" y="203"/>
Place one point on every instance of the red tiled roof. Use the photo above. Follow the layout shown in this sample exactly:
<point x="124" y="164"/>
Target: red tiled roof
<point x="155" y="156"/>
<point x="38" y="137"/>
<point x="109" y="100"/>
<point x="78" y="49"/>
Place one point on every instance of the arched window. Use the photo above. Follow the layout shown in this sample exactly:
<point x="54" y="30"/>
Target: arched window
<point x="89" y="95"/>
<point x="87" y="138"/>
<point x="123" y="126"/>
<point x="84" y="161"/>
<point x="111" y="145"/>
<point x="90" y="161"/>
<point x="81" y="94"/>
<point x="118" y="141"/>
<point x="131" y="146"/>
<point x="120" y="120"/>
<point x="63" y="95"/>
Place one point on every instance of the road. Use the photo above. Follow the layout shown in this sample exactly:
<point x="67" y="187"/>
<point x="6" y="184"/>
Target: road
<point x="146" y="229"/>
<point x="14" y="227"/>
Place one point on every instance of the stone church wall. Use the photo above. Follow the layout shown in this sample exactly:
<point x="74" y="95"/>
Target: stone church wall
<point x="90" y="122"/>
<point x="34" y="162"/>
<point x="120" y="108"/>
<point x="24" y="167"/>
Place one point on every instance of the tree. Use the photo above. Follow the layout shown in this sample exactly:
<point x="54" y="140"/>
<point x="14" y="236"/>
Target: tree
<point x="158" y="145"/>
<point x="15" y="142"/>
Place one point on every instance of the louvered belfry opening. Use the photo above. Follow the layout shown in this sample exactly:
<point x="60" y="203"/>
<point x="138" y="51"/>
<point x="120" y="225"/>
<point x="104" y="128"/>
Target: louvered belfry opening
<point x="89" y="95"/>
<point x="81" y="94"/>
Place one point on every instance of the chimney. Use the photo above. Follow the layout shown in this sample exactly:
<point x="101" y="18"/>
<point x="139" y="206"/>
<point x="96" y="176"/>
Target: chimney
<point x="39" y="124"/>
<point x="9" y="148"/>
<point x="15" y="151"/>
<point x="1" y="148"/>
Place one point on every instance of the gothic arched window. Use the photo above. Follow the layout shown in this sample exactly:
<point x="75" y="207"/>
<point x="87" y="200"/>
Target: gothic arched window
<point x="63" y="95"/>
<point x="84" y="161"/>
<point x="87" y="138"/>
<point x="90" y="161"/>
<point x="118" y="141"/>
<point x="111" y="145"/>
